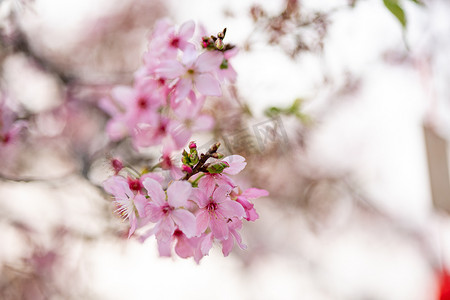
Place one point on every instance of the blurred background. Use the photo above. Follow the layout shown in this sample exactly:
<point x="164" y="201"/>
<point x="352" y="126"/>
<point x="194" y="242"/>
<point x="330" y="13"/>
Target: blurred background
<point x="341" y="109"/>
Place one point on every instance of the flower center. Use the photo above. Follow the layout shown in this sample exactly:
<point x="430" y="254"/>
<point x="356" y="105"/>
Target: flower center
<point x="142" y="103"/>
<point x="134" y="184"/>
<point x="166" y="208"/>
<point x="175" y="42"/>
<point x="212" y="207"/>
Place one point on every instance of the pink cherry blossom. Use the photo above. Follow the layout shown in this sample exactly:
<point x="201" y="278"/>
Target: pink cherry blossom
<point x="215" y="210"/>
<point x="234" y="225"/>
<point x="243" y="199"/>
<point x="195" y="71"/>
<point x="188" y="112"/>
<point x="167" y="213"/>
<point x="129" y="205"/>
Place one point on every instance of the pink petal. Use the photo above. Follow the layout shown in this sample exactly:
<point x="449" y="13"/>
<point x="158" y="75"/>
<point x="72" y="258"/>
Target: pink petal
<point x="227" y="246"/>
<point x="219" y="228"/>
<point x="207" y="85"/>
<point x="155" y="191"/>
<point x="183" y="248"/>
<point x="123" y="94"/>
<point x="166" y="228"/>
<point x="176" y="173"/>
<point x="254" y="193"/>
<point x="207" y="184"/>
<point x="206" y="244"/>
<point x="238" y="238"/>
<point x="182" y="89"/>
<point x="170" y="69"/>
<point x="230" y="208"/>
<point x="237" y="164"/>
<point x="189" y="56"/>
<point x="200" y="197"/>
<point x="208" y="61"/>
<point x="133" y="223"/>
<point x="203" y="123"/>
<point x="185" y="221"/>
<point x="221" y="193"/>
<point x="180" y="134"/>
<point x="155" y="176"/>
<point x="178" y="193"/>
<point x="164" y="248"/>
<point x="115" y="185"/>
<point x="252" y="215"/>
<point x="187" y="30"/>
<point x="202" y="221"/>
<point x="116" y="129"/>
<point x="140" y="202"/>
<point x="154" y="212"/>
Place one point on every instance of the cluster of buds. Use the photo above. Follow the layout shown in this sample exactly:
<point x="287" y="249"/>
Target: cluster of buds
<point x="216" y="42"/>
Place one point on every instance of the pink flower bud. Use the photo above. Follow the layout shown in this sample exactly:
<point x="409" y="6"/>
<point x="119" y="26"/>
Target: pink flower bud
<point x="192" y="145"/>
<point x="186" y="169"/>
<point x="117" y="165"/>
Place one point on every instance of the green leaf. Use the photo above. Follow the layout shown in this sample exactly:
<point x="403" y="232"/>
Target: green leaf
<point x="395" y="8"/>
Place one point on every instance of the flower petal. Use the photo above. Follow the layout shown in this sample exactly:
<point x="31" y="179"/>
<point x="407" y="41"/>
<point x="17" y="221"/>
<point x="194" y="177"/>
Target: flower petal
<point x="230" y="208"/>
<point x="170" y="69"/>
<point x="154" y="212"/>
<point x="203" y="123"/>
<point x="254" y="193"/>
<point x="207" y="85"/>
<point x="178" y="193"/>
<point x="155" y="191"/>
<point x="221" y="193"/>
<point x="202" y="221"/>
<point x="207" y="184"/>
<point x="187" y="29"/>
<point x="219" y="228"/>
<point x="237" y="164"/>
<point x="185" y="221"/>
<point x="208" y="61"/>
<point x="227" y="245"/>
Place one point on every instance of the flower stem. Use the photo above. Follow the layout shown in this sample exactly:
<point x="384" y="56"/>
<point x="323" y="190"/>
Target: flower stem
<point x="203" y="158"/>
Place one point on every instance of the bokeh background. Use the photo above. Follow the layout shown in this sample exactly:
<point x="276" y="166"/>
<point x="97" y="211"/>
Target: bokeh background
<point x="330" y="110"/>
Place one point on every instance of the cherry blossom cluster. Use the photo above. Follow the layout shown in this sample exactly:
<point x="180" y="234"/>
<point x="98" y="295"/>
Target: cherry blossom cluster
<point x="163" y="107"/>
<point x="190" y="214"/>
<point x="197" y="202"/>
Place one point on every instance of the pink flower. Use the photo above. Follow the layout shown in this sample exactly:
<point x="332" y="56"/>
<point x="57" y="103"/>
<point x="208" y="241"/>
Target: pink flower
<point x="132" y="106"/>
<point x="170" y="212"/>
<point x="166" y="40"/>
<point x="129" y="205"/>
<point x="215" y="210"/>
<point x="164" y="131"/>
<point x="195" y="71"/>
<point x="243" y="199"/>
<point x="188" y="112"/>
<point x="234" y="225"/>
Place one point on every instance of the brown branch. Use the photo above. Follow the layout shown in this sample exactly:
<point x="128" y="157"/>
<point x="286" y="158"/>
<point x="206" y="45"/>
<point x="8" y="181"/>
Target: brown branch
<point x="203" y="158"/>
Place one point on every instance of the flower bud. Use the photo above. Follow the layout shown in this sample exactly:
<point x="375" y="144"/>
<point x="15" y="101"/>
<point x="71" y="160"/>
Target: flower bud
<point x="192" y="145"/>
<point x="186" y="169"/>
<point x="217" y="155"/>
<point x="219" y="44"/>
<point x="217" y="167"/>
<point x="221" y="35"/>
<point x="117" y="165"/>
